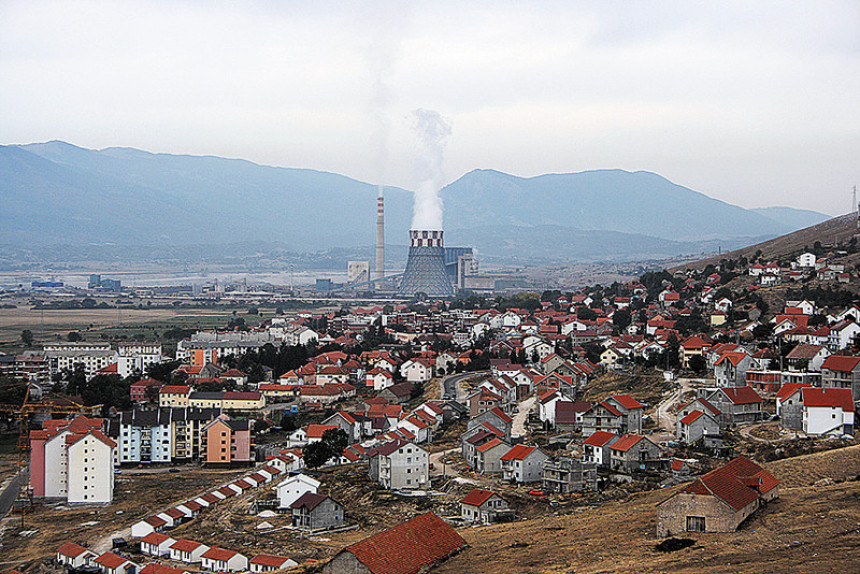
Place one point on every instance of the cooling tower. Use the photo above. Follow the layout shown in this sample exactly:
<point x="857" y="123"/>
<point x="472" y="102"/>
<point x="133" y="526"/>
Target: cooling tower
<point x="425" y="268"/>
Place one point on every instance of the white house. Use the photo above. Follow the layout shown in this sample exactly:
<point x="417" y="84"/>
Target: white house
<point x="399" y="464"/>
<point x="187" y="551"/>
<point x="523" y="464"/>
<point x="806" y="260"/>
<point x="269" y="562"/>
<point x="291" y="489"/>
<point x="379" y="379"/>
<point x="74" y="555"/>
<point x="595" y="448"/>
<point x="110" y="563"/>
<point x="223" y="560"/>
<point x="156" y="544"/>
<point x="828" y="411"/>
<point x="417" y="370"/>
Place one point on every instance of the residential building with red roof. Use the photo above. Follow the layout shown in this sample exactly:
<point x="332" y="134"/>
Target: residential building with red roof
<point x="632" y="453"/>
<point x="828" y="411"/>
<point x="484" y="507"/>
<point x="74" y="555"/>
<point x="408" y="548"/>
<point x="110" y="563"/>
<point x="737" y="405"/>
<point x="313" y="511"/>
<point x="523" y="464"/>
<point x="156" y="544"/>
<point x="269" y="562"/>
<point x="695" y="425"/>
<point x="595" y="448"/>
<point x="222" y="560"/>
<point x="719" y="501"/>
<point x="789" y="405"/>
<point x="841" y="372"/>
<point x="399" y="464"/>
<point x="188" y="551"/>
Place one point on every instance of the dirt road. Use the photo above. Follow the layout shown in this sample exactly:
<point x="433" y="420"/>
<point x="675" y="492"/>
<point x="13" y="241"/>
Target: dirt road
<point x="518" y="428"/>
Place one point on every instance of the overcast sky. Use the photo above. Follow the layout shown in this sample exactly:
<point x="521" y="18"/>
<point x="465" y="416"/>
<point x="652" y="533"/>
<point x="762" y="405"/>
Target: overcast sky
<point x="755" y="103"/>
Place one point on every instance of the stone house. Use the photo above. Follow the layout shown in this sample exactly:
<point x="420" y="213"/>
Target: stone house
<point x="488" y="456"/>
<point x="484" y="507"/>
<point x="719" y="501"/>
<point x="633" y="452"/>
<point x="523" y="464"/>
<point x="316" y="512"/>
<point x="789" y="405"/>
<point x="694" y="426"/>
<point x="737" y="405"/>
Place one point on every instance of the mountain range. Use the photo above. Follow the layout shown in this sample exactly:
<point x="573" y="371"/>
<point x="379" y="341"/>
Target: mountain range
<point x="56" y="193"/>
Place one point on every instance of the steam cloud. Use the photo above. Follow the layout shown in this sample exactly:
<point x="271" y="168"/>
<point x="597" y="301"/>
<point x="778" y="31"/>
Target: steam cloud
<point x="433" y="131"/>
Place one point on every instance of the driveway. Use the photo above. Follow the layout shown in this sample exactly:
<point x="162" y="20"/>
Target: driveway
<point x="518" y="428"/>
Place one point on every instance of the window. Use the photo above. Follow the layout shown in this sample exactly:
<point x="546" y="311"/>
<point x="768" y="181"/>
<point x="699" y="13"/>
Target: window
<point x="695" y="524"/>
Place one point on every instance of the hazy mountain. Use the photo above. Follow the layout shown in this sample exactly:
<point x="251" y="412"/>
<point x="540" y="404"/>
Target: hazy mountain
<point x="57" y="193"/>
<point x="792" y="218"/>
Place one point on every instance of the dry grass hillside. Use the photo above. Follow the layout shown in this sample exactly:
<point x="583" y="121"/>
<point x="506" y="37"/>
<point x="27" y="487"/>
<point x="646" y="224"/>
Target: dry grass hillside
<point x="830" y="232"/>
<point x="808" y="529"/>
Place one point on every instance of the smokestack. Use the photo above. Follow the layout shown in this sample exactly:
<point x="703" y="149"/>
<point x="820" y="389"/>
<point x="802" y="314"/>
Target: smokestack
<point x="380" y="238"/>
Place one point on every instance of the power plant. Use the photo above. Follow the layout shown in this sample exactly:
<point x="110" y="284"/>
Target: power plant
<point x="425" y="268"/>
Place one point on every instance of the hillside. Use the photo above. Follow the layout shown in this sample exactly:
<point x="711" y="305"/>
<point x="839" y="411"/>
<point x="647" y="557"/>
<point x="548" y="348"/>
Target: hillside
<point x="56" y="193"/>
<point x="830" y="232"/>
<point x="808" y="529"/>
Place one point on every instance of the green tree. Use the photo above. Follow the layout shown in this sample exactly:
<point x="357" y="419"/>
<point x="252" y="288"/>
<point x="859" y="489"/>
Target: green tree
<point x="27" y="337"/>
<point x="316" y="454"/>
<point x="697" y="364"/>
<point x="73" y="337"/>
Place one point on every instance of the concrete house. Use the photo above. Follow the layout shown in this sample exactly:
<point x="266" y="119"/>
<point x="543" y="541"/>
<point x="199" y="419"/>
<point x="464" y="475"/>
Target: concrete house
<point x="187" y="551"/>
<point x="399" y="464"/>
<point x="632" y="452"/>
<point x="408" y="547"/>
<point x="841" y="372"/>
<point x="595" y="449"/>
<point x="496" y="417"/>
<point x="484" y="507"/>
<point x="156" y="544"/>
<point x="692" y="427"/>
<point x="566" y="475"/>
<point x="737" y="405"/>
<point x="291" y="489"/>
<point x="270" y="562"/>
<point x="228" y="442"/>
<point x="74" y="555"/>
<point x="631" y="411"/>
<point x="317" y="512"/>
<point x="731" y="368"/>
<point x="827" y="411"/>
<point x="110" y="563"/>
<point x="603" y="416"/>
<point x="488" y="456"/>
<point x="523" y="464"/>
<point x="718" y="501"/>
<point x="789" y="405"/>
<point x="222" y="560"/>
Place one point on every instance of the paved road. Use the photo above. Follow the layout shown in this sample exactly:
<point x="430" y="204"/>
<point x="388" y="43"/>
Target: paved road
<point x="518" y="428"/>
<point x="451" y="384"/>
<point x="8" y="496"/>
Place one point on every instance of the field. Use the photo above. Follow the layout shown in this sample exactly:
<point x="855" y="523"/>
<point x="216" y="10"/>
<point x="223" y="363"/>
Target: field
<point x="808" y="529"/>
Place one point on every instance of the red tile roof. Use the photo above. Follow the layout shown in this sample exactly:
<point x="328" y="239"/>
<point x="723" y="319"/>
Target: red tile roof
<point x="490" y="444"/>
<point x="155" y="538"/>
<point x="626" y="442"/>
<point x="814" y="397"/>
<point x="71" y="550"/>
<point x="477" y="497"/>
<point x="154" y="568"/>
<point x="221" y="554"/>
<point x="501" y="414"/>
<point x="155" y="521"/>
<point x="730" y="483"/>
<point x="110" y="560"/>
<point x="840" y="363"/>
<point x="627" y="402"/>
<point x="789" y="389"/>
<point x="185" y="545"/>
<point x="690" y="418"/>
<point x="309" y="500"/>
<point x="600" y="438"/>
<point x="519" y="452"/>
<point x="741" y="395"/>
<point x="178" y="389"/>
<point x="408" y="547"/>
<point x="269" y="560"/>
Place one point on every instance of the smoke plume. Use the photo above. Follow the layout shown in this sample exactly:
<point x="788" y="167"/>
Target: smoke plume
<point x="433" y="131"/>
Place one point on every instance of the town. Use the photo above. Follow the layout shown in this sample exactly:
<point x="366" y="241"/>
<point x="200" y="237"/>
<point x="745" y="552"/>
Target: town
<point x="322" y="440"/>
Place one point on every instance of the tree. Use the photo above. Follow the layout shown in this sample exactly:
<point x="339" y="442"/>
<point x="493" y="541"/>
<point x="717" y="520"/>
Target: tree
<point x="622" y="319"/>
<point x="316" y="454"/>
<point x="337" y="439"/>
<point x="27" y="337"/>
<point x="697" y="364"/>
<point x="73" y="337"/>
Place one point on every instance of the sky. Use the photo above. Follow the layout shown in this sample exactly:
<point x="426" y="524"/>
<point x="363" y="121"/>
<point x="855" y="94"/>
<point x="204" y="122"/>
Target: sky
<point x="754" y="103"/>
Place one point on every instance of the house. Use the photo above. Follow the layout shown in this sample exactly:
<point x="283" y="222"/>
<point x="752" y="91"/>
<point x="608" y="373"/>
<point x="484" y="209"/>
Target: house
<point x="631" y="411"/>
<point x="222" y="560"/>
<point x="789" y="405"/>
<point x="110" y="563"/>
<point x="317" y="512"/>
<point x="595" y="449"/>
<point x="522" y="464"/>
<point x="566" y="475"/>
<point x="291" y="489"/>
<point x="603" y="416"/>
<point x="155" y="568"/>
<point x="568" y="415"/>
<point x="147" y="525"/>
<point x="719" y="501"/>
<point x="482" y="401"/>
<point x="632" y="452"/>
<point x="488" y="456"/>
<point x="74" y="555"/>
<point x="397" y="394"/>
<point x="496" y="417"/>
<point x="695" y="425"/>
<point x="399" y="464"/>
<point x="827" y="411"/>
<point x="156" y="544"/>
<point x="805" y="357"/>
<point x="843" y="334"/>
<point x="737" y="405"/>
<point x="407" y="548"/>
<point x="379" y="378"/>
<point x="269" y="562"/>
<point x="841" y="372"/>
<point x="484" y="507"/>
<point x="187" y="551"/>
<point x="417" y="370"/>
<point x="731" y="368"/>
<point x="144" y="389"/>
